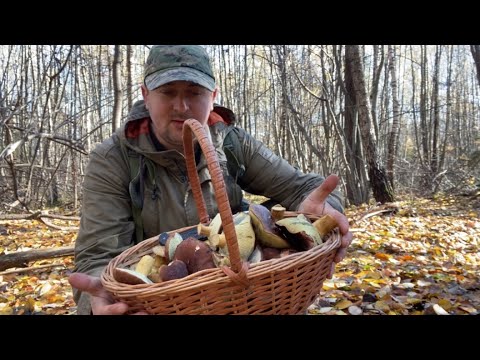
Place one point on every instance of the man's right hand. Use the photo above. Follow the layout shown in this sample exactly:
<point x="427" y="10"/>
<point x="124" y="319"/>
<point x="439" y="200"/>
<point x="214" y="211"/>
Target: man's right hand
<point x="100" y="299"/>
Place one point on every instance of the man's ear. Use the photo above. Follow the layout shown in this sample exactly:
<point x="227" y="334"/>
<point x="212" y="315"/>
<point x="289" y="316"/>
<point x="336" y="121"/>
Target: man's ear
<point x="214" y="96"/>
<point x="144" y="91"/>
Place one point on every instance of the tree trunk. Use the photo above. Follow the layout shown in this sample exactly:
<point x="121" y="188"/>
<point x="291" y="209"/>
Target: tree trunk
<point x="129" y="77"/>
<point x="424" y="132"/>
<point x="394" y="130"/>
<point x="475" y="49"/>
<point x="449" y="107"/>
<point x="117" y="88"/>
<point x="382" y="191"/>
<point x="436" y="116"/>
<point x="377" y="72"/>
<point x="356" y="192"/>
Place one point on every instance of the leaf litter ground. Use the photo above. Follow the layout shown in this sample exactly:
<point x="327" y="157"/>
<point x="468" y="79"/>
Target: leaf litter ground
<point x="423" y="258"/>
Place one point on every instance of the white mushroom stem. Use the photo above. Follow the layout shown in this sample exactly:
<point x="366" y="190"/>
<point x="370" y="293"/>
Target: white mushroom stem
<point x="219" y="239"/>
<point x="203" y="229"/>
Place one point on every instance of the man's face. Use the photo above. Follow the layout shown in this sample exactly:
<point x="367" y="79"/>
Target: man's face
<point x="173" y="103"/>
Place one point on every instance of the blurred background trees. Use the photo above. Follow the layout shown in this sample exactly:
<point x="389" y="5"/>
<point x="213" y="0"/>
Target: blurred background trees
<point x="387" y="119"/>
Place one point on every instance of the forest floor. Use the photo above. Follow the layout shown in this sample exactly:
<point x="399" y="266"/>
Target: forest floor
<point x="420" y="257"/>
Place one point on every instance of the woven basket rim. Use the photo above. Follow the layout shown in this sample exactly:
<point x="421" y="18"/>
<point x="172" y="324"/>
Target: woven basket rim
<point x="216" y="274"/>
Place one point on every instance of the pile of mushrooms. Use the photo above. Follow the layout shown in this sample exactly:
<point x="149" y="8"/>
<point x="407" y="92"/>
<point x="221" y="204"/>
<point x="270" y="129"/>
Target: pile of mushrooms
<point x="280" y="236"/>
<point x="262" y="234"/>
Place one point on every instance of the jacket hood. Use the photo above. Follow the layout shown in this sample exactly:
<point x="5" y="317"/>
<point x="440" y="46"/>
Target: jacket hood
<point x="135" y="132"/>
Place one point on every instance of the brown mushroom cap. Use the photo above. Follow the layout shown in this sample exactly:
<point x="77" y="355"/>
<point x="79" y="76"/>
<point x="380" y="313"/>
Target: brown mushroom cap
<point x="265" y="229"/>
<point x="195" y="254"/>
<point x="270" y="253"/>
<point x="175" y="270"/>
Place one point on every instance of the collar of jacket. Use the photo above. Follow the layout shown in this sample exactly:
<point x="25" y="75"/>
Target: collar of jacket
<point x="135" y="133"/>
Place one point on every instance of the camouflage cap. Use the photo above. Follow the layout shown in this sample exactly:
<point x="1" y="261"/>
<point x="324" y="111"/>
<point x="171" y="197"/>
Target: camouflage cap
<point x="167" y="63"/>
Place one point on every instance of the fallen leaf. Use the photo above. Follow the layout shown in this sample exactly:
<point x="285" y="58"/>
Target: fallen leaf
<point x="382" y="306"/>
<point x="423" y="283"/>
<point x="382" y="256"/>
<point x="324" y="310"/>
<point x="468" y="309"/>
<point x="355" y="310"/>
<point x="439" y="310"/>
<point x="343" y="304"/>
<point x="5" y="309"/>
<point x="45" y="288"/>
<point x="444" y="303"/>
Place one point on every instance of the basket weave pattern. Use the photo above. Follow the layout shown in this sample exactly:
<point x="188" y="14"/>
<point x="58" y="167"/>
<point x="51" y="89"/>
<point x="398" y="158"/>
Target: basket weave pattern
<point x="282" y="286"/>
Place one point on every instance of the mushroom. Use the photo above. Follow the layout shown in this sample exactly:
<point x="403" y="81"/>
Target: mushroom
<point x="144" y="266"/>
<point x="172" y="242"/>
<point x="177" y="269"/>
<point x="270" y="253"/>
<point x="277" y="212"/>
<point x="155" y="277"/>
<point x="325" y="224"/>
<point x="300" y="232"/>
<point x="220" y="259"/>
<point x="211" y="231"/>
<point x="265" y="230"/>
<point x="256" y="256"/>
<point x="130" y="277"/>
<point x="195" y="254"/>
<point x="245" y="236"/>
<point x="159" y="250"/>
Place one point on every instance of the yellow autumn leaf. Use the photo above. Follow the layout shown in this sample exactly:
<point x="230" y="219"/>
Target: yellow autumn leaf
<point x="372" y="282"/>
<point x="373" y="275"/>
<point x="412" y="300"/>
<point x="5" y="309"/>
<point x="343" y="304"/>
<point x="444" y="303"/>
<point x="382" y="306"/>
<point x="328" y="285"/>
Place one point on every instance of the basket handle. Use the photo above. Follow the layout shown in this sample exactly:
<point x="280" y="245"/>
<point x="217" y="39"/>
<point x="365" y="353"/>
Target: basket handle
<point x="190" y="127"/>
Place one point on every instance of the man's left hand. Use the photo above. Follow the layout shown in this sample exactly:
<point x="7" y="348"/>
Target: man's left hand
<point x="316" y="203"/>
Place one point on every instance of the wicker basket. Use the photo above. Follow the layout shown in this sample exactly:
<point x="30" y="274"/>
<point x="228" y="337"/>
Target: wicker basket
<point x="286" y="285"/>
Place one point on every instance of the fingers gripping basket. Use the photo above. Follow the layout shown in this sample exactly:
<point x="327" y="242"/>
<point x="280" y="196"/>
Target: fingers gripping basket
<point x="286" y="285"/>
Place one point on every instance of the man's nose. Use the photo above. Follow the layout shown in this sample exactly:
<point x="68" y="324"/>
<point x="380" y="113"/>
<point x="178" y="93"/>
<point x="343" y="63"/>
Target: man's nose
<point x="180" y="104"/>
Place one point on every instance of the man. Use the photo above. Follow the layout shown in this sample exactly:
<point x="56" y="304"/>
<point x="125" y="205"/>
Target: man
<point x="178" y="85"/>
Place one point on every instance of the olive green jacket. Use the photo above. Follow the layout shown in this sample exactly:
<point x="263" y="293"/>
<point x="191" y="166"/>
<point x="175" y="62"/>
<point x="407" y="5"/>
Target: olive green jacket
<point x="107" y="226"/>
